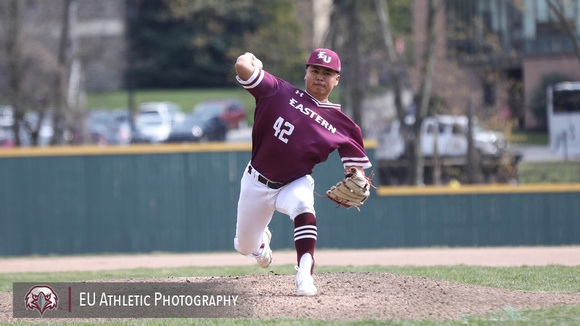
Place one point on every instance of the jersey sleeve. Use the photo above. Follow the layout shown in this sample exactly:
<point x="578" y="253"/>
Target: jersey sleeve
<point x="260" y="84"/>
<point x="353" y="152"/>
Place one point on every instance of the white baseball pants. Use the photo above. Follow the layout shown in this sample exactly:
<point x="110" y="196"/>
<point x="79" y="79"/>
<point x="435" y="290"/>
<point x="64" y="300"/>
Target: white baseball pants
<point x="257" y="204"/>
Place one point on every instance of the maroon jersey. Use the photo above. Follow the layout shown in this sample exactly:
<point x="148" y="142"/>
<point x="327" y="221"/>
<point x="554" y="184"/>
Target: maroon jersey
<point x="293" y="131"/>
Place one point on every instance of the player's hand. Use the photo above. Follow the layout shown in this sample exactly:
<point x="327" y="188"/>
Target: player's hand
<point x="257" y="62"/>
<point x="246" y="64"/>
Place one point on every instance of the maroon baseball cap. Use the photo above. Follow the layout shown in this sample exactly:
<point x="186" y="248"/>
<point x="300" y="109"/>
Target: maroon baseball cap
<point x="324" y="58"/>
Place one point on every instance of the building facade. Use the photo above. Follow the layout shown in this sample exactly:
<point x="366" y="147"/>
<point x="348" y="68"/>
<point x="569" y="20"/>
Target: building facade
<point x="498" y="54"/>
<point x="84" y="37"/>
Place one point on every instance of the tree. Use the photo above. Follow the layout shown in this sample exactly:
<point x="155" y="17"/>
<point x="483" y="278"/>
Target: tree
<point x="12" y="32"/>
<point x="356" y="39"/>
<point x="412" y="137"/>
<point x="353" y="55"/>
<point x="193" y="43"/>
<point x="424" y="92"/>
<point x="398" y="69"/>
<point x="560" y="8"/>
<point x="61" y="78"/>
<point x="34" y="71"/>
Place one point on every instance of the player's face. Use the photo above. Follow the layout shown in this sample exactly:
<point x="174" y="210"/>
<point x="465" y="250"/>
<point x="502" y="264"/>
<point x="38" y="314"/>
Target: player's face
<point x="320" y="81"/>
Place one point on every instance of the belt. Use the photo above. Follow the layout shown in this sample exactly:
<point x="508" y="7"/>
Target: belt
<point x="266" y="182"/>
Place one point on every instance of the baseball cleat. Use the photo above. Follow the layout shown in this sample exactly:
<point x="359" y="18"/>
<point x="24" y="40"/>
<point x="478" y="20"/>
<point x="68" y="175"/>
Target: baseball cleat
<point x="305" y="284"/>
<point x="265" y="257"/>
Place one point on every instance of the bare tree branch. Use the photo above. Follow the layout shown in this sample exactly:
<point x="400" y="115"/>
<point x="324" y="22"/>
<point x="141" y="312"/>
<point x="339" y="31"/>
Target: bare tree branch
<point x="396" y="67"/>
<point x="356" y="91"/>
<point x="559" y="9"/>
<point x="13" y="29"/>
<point x="59" y="78"/>
<point x="424" y="92"/>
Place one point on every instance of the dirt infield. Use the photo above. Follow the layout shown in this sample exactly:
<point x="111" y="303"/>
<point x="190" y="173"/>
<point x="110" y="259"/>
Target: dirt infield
<point x="343" y="296"/>
<point x="495" y="256"/>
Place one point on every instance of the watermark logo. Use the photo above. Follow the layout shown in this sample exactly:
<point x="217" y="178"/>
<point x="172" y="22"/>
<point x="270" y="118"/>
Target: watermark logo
<point x="41" y="298"/>
<point x="128" y="300"/>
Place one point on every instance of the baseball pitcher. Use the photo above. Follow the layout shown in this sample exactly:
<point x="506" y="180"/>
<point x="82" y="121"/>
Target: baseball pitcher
<point x="294" y="130"/>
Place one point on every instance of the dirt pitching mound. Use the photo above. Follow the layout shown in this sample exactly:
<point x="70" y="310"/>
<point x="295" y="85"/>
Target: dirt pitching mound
<point x="359" y="296"/>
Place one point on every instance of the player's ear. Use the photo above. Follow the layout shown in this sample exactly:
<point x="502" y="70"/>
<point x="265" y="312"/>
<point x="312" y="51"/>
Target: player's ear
<point x="336" y="79"/>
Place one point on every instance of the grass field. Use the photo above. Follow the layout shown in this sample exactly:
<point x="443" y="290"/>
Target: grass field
<point x="186" y="98"/>
<point x="552" y="172"/>
<point x="531" y="137"/>
<point x="528" y="278"/>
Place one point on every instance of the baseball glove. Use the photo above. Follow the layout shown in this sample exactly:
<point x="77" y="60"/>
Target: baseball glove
<point x="352" y="191"/>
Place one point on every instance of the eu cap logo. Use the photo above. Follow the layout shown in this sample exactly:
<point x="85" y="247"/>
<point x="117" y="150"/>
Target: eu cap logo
<point x="324" y="58"/>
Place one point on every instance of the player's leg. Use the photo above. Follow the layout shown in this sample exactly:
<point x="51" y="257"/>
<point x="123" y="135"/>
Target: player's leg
<point x="297" y="200"/>
<point x="255" y="209"/>
<point x="305" y="236"/>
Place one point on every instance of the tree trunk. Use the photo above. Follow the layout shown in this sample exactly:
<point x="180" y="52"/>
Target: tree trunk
<point x="559" y="9"/>
<point x="436" y="160"/>
<point x="471" y="161"/>
<point x="59" y="120"/>
<point x="14" y="67"/>
<point x="356" y="91"/>
<point x="412" y="135"/>
<point x="399" y="77"/>
<point x="397" y="70"/>
<point x="424" y="91"/>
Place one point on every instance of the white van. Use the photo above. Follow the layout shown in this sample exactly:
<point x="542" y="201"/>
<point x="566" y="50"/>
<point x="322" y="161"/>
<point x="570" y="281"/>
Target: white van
<point x="154" y="120"/>
<point x="451" y="138"/>
<point x="6" y="116"/>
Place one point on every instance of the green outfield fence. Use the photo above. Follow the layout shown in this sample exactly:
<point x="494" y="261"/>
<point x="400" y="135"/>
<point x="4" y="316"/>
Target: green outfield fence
<point x="182" y="198"/>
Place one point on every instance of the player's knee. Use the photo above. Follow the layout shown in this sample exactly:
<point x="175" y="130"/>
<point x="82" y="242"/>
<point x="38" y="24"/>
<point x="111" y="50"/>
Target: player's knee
<point x="302" y="209"/>
<point x="243" y="248"/>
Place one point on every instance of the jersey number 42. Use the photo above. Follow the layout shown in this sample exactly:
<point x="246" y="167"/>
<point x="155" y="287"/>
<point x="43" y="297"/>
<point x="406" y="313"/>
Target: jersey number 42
<point x="283" y="129"/>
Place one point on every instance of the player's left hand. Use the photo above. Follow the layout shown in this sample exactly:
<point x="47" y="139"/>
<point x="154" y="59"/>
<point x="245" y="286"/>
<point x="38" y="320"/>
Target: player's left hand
<point x="352" y="191"/>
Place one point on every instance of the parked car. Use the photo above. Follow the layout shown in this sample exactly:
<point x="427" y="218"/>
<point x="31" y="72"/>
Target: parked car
<point x="165" y="110"/>
<point x="28" y="125"/>
<point x="451" y="138"/>
<point x="109" y="127"/>
<point x="198" y="127"/>
<point x="6" y="116"/>
<point x="45" y="128"/>
<point x="155" y="120"/>
<point x="98" y="123"/>
<point x="7" y="138"/>
<point x="232" y="111"/>
<point x="122" y="129"/>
